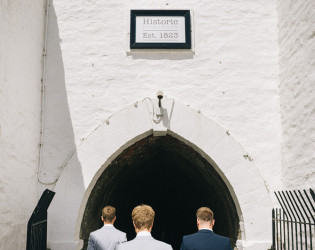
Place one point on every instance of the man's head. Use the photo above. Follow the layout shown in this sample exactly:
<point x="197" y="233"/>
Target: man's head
<point x="204" y="218"/>
<point x="109" y="215"/>
<point x="143" y="217"/>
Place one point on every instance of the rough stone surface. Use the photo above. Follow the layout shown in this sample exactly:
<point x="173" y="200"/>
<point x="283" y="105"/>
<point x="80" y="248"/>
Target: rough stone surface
<point x="252" y="71"/>
<point x="232" y="78"/>
<point x="297" y="91"/>
<point x="21" y="46"/>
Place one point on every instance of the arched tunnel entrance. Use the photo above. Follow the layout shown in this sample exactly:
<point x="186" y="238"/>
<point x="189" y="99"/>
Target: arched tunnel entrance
<point x="168" y="175"/>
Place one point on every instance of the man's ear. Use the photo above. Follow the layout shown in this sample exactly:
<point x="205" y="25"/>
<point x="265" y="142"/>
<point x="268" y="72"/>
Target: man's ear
<point x="102" y="218"/>
<point x="114" y="220"/>
<point x="212" y="222"/>
<point x="136" y="230"/>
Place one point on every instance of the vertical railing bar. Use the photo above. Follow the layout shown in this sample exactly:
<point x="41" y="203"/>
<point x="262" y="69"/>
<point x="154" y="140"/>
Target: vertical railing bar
<point x="291" y="210"/>
<point x="300" y="222"/>
<point x="310" y="202"/>
<point x="288" y="233"/>
<point x="296" y="236"/>
<point x="273" y="229"/>
<point x="297" y="197"/>
<point x="277" y="229"/>
<point x="292" y="238"/>
<point x="311" y="239"/>
<point x="280" y="229"/>
<point x="285" y="210"/>
<point x="284" y="232"/>
<point x="308" y="218"/>
<point x="297" y="208"/>
<point x="298" y="215"/>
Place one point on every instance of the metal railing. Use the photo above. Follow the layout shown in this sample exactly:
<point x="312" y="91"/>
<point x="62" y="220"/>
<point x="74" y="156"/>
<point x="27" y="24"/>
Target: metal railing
<point x="37" y="224"/>
<point x="293" y="226"/>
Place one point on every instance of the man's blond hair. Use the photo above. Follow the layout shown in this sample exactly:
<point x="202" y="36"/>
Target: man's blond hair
<point x="108" y="213"/>
<point x="204" y="214"/>
<point x="143" y="216"/>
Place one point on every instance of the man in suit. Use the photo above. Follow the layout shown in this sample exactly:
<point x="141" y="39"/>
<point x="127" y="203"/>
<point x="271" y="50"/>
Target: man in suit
<point x="108" y="236"/>
<point x="205" y="238"/>
<point x="143" y="217"/>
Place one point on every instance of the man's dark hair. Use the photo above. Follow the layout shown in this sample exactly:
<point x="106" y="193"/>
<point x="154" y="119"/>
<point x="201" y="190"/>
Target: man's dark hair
<point x="205" y="214"/>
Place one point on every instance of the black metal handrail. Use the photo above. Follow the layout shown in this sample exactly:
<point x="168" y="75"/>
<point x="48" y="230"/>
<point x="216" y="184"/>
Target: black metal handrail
<point x="293" y="226"/>
<point x="37" y="224"/>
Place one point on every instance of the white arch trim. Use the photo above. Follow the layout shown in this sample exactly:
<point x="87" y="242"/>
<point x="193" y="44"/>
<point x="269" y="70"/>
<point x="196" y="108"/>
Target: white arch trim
<point x="212" y="141"/>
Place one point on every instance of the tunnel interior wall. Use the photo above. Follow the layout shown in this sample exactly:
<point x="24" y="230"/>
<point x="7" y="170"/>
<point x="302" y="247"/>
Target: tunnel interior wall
<point x="170" y="176"/>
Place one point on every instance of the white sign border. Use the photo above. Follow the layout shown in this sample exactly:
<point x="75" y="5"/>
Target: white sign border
<point x="131" y="50"/>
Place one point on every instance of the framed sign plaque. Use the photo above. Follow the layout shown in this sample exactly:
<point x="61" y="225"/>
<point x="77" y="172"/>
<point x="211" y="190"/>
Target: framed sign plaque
<point x="160" y="29"/>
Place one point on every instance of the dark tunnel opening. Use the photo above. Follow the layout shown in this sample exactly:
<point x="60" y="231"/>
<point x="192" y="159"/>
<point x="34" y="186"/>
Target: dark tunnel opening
<point x="170" y="176"/>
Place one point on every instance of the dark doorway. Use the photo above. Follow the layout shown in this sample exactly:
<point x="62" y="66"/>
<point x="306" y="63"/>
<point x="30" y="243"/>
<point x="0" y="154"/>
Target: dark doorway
<point x="170" y="176"/>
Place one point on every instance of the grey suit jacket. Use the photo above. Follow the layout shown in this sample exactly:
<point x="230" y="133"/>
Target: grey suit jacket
<point x="106" y="238"/>
<point x="144" y="243"/>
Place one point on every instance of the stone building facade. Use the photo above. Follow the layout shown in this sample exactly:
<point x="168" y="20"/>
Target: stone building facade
<point x="79" y="116"/>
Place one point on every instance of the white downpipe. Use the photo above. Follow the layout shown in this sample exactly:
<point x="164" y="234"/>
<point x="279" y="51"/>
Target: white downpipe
<point x="42" y="113"/>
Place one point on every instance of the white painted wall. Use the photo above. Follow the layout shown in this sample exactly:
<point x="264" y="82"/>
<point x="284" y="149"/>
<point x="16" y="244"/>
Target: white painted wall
<point x="232" y="78"/>
<point x="21" y="46"/>
<point x="297" y="91"/>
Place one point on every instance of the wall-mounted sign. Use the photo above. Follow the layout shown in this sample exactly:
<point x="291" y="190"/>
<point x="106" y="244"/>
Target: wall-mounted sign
<point x="160" y="29"/>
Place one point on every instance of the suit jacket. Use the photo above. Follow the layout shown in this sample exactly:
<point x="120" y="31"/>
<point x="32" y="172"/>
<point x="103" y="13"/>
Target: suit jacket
<point x="106" y="238"/>
<point x="144" y="243"/>
<point x="205" y="240"/>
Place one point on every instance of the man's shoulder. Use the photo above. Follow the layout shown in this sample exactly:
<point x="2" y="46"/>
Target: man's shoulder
<point x="126" y="245"/>
<point x="188" y="236"/>
<point x="209" y="238"/>
<point x="118" y="231"/>
<point x="103" y="230"/>
<point x="204" y="233"/>
<point x="95" y="232"/>
<point x="162" y="243"/>
<point x="221" y="237"/>
<point x="197" y="234"/>
<point x="143" y="242"/>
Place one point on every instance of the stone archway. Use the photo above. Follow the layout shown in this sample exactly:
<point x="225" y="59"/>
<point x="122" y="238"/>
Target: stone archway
<point x="218" y="149"/>
<point x="170" y="176"/>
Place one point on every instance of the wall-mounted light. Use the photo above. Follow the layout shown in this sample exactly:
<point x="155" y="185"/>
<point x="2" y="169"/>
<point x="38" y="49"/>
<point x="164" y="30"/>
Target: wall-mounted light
<point x="159" y="95"/>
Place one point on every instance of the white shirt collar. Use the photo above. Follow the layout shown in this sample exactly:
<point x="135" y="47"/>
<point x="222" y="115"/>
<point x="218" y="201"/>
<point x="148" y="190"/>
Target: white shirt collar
<point x="206" y="228"/>
<point x="143" y="233"/>
<point x="108" y="225"/>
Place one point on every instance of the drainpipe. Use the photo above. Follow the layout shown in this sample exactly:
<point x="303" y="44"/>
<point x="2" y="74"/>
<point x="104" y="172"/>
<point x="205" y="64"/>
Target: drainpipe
<point x="43" y="81"/>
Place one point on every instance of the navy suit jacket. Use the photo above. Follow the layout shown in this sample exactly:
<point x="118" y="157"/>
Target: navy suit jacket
<point x="205" y="240"/>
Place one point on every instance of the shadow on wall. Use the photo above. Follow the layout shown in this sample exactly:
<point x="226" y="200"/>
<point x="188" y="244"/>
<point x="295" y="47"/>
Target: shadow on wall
<point x="58" y="139"/>
<point x="58" y="136"/>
